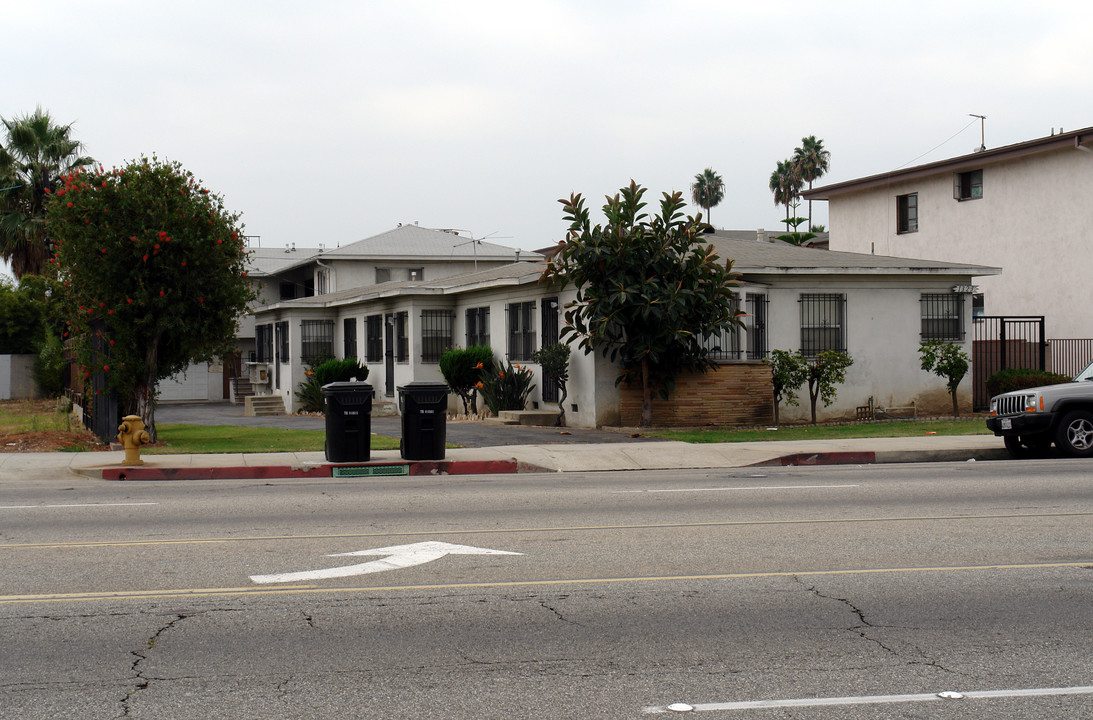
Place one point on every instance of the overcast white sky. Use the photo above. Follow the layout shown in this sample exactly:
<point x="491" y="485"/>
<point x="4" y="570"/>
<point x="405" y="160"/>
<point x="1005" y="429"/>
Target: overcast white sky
<point x="331" y="121"/>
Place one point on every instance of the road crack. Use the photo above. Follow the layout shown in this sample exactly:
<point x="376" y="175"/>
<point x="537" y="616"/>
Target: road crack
<point x="864" y="626"/>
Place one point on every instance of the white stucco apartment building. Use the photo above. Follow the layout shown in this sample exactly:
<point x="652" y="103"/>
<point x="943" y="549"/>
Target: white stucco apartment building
<point x="1027" y="208"/>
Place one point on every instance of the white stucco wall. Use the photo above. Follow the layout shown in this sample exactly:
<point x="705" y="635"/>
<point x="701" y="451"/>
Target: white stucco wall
<point x="1033" y="221"/>
<point x="883" y="334"/>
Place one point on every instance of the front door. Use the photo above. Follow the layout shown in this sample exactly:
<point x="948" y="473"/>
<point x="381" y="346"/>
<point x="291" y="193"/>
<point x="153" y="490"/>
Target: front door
<point x="389" y="355"/>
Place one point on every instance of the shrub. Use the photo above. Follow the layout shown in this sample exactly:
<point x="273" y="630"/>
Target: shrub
<point x="463" y="369"/>
<point x="50" y="366"/>
<point x="506" y="388"/>
<point x="326" y="371"/>
<point x="1012" y="379"/>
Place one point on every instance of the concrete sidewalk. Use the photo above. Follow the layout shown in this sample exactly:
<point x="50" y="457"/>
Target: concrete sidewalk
<point x="571" y="457"/>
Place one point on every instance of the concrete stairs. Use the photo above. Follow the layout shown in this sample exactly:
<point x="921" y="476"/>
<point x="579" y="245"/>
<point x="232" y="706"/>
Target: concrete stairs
<point x="241" y="388"/>
<point x="264" y="405"/>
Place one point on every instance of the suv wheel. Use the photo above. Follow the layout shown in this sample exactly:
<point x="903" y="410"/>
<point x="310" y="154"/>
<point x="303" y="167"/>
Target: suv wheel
<point x="1075" y="434"/>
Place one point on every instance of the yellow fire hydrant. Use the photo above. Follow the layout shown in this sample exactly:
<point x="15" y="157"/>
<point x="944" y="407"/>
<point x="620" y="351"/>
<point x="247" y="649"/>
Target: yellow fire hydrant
<point x="131" y="434"/>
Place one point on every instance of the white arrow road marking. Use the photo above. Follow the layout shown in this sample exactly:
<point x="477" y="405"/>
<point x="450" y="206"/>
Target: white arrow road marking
<point x="399" y="556"/>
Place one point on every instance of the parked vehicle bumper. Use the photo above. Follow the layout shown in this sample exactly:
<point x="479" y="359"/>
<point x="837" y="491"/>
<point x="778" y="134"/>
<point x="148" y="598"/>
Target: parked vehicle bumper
<point x="1021" y="424"/>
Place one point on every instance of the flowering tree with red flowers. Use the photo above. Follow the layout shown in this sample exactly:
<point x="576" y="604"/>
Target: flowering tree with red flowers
<point x="152" y="275"/>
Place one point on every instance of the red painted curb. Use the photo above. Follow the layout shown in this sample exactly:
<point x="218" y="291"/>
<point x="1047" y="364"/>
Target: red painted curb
<point x="260" y="472"/>
<point x="835" y="458"/>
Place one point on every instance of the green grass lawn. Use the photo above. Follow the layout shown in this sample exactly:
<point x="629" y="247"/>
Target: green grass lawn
<point x="186" y="439"/>
<point x="895" y="428"/>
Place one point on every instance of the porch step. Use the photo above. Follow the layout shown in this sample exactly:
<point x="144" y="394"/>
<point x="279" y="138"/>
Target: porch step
<point x="264" y="405"/>
<point x="242" y="388"/>
<point x="540" y="418"/>
<point x="384" y="408"/>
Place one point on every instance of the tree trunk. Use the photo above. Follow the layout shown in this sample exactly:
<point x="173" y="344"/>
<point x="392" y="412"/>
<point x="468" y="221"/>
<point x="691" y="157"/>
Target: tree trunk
<point x="474" y="402"/>
<point x="144" y="404"/>
<point x="560" y="420"/>
<point x="646" y="396"/>
<point x="956" y="405"/>
<point x="813" y="395"/>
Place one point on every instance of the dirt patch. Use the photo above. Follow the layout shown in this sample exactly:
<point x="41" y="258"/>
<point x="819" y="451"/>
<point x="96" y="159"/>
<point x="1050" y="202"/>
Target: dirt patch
<point x="51" y="441"/>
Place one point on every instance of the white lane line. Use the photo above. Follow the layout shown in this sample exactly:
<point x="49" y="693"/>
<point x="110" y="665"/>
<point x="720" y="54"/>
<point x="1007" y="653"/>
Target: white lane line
<point x="36" y="507"/>
<point x="947" y="696"/>
<point x="721" y="489"/>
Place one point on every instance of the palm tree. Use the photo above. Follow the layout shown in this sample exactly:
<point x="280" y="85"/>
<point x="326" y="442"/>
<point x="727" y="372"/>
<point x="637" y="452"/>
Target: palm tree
<point x="34" y="158"/>
<point x="813" y="161"/>
<point x="785" y="183"/>
<point x="708" y="190"/>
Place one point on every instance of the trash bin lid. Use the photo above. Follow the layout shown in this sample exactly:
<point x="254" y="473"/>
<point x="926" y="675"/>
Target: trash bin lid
<point x="348" y="387"/>
<point x="424" y="386"/>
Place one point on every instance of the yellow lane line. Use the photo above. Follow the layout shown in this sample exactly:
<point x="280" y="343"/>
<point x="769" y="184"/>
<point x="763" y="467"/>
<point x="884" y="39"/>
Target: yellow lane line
<point x="304" y="589"/>
<point x="495" y="531"/>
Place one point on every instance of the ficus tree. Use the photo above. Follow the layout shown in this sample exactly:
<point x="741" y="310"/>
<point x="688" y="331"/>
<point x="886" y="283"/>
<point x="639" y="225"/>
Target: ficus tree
<point x="788" y="373"/>
<point x="554" y="360"/>
<point x="152" y="274"/>
<point x="947" y="360"/>
<point x="649" y="289"/>
<point x="826" y="370"/>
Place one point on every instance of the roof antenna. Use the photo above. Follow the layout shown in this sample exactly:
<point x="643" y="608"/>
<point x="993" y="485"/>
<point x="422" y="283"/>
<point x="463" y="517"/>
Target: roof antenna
<point x="982" y="132"/>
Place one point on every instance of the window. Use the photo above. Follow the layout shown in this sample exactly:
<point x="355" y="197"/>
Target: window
<point x="416" y="274"/>
<point x="822" y="323"/>
<point x="316" y="340"/>
<point x="288" y="290"/>
<point x="548" y="324"/>
<point x="979" y="306"/>
<point x="263" y="340"/>
<point x="968" y="185"/>
<point x="281" y="331"/>
<point x="521" y="321"/>
<point x="373" y="346"/>
<point x="349" y="337"/>
<point x="942" y="316"/>
<point x="478" y="326"/>
<point x="907" y="213"/>
<point x="402" y="340"/>
<point x="436" y="334"/>
<point x="324" y="285"/>
<point x="756" y="326"/>
<point x="725" y="345"/>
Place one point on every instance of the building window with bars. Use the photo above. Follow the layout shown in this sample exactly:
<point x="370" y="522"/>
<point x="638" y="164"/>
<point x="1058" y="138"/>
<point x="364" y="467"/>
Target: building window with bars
<point x="755" y="325"/>
<point x="373" y="344"/>
<point x="436" y="334"/>
<point x="478" y="326"/>
<point x="349" y="337"/>
<point x="402" y="340"/>
<point x="942" y="316"/>
<point x="263" y="342"/>
<point x="521" y="322"/>
<point x="316" y="340"/>
<point x="725" y="344"/>
<point x="822" y="323"/>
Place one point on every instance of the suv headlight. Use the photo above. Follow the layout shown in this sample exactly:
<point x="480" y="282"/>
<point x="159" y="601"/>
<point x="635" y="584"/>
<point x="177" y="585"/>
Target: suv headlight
<point x="1032" y="402"/>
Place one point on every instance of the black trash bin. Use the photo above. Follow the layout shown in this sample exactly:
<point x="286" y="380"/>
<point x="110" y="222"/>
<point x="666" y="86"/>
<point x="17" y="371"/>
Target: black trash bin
<point x="424" y="408"/>
<point x="348" y="407"/>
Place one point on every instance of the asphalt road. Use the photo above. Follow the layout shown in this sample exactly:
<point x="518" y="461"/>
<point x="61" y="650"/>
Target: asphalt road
<point x="875" y="587"/>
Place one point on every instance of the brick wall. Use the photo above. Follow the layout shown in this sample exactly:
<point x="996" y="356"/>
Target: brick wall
<point x="734" y="394"/>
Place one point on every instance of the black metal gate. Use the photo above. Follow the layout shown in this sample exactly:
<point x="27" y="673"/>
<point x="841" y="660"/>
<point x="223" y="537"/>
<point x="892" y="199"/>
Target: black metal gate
<point x="999" y="343"/>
